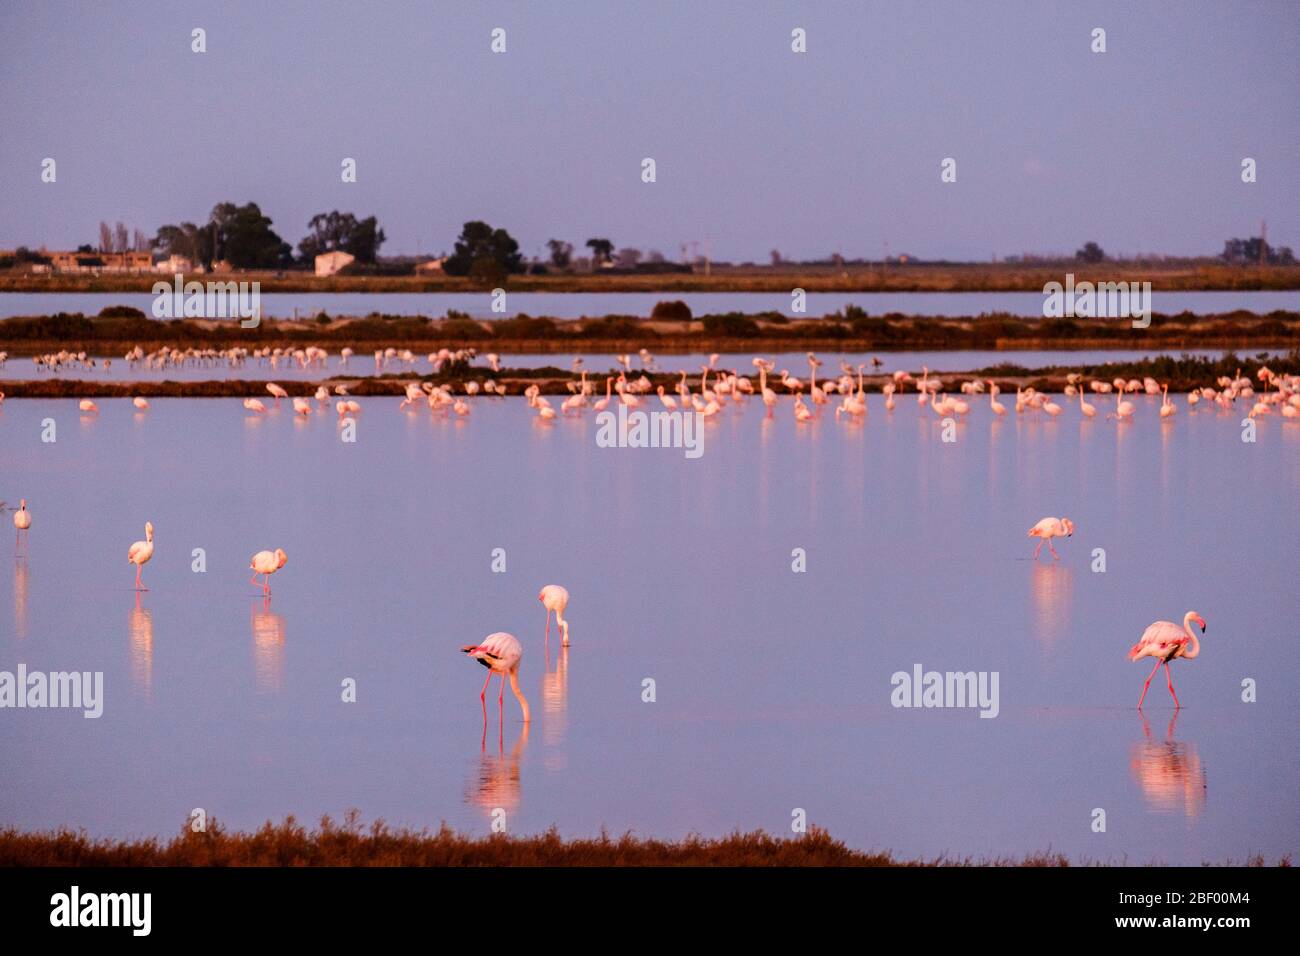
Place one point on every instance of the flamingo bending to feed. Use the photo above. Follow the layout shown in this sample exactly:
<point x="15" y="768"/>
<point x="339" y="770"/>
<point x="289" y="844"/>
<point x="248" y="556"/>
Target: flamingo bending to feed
<point x="140" y="553"/>
<point x="500" y="653"/>
<point x="1165" y="640"/>
<point x="22" y="522"/>
<point x="266" y="563"/>
<point x="254" y="405"/>
<point x="86" y="405"/>
<point x="1050" y="528"/>
<point x="555" y="598"/>
<point x="140" y="403"/>
<point x="277" y="391"/>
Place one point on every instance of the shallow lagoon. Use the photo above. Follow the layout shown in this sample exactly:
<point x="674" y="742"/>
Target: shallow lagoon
<point x="773" y="688"/>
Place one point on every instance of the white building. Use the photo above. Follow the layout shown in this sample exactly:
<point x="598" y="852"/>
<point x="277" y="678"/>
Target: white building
<point x="330" y="263"/>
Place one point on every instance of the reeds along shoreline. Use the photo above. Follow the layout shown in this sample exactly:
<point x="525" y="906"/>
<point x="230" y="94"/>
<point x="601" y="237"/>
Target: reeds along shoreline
<point x="112" y="334"/>
<point x="1182" y="375"/>
<point x="351" y="843"/>
<point x="1193" y="275"/>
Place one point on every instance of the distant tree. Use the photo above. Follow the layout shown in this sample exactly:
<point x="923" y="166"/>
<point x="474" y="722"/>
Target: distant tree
<point x="776" y="257"/>
<point x="105" y="237"/>
<point x="675" y="310"/>
<point x="628" y="258"/>
<point x="483" y="251"/>
<point x="654" y="255"/>
<point x="1091" y="252"/>
<point x="121" y="238"/>
<point x="602" y="250"/>
<point x="561" y="253"/>
<point x="85" y="247"/>
<point x="187" y="241"/>
<point x="1255" y="250"/>
<point x="242" y="236"/>
<point x="140" y="242"/>
<point x="332" y="231"/>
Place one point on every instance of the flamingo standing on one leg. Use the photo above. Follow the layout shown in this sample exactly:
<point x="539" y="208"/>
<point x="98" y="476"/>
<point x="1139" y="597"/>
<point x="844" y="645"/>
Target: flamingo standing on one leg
<point x="1165" y="640"/>
<point x="266" y="563"/>
<point x="555" y="598"/>
<point x="1050" y="528"/>
<point x="500" y="653"/>
<point x="22" y="523"/>
<point x="140" y="553"/>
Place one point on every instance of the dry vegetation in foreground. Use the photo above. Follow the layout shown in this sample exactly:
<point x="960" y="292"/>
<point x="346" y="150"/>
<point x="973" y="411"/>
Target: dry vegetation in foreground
<point x="1185" y="276"/>
<point x="351" y="844"/>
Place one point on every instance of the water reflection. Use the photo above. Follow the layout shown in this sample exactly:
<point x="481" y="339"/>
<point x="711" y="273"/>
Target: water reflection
<point x="1168" y="771"/>
<point x="1053" y="589"/>
<point x="20" y="598"/>
<point x="555" y="699"/>
<point x="140" y="632"/>
<point x="268" y="647"/>
<point x="495" y="784"/>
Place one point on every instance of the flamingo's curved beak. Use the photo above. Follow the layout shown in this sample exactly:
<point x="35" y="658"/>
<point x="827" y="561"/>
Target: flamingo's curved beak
<point x="1201" y="621"/>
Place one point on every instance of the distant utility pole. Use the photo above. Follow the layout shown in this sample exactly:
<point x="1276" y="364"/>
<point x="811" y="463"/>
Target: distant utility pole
<point x="1263" y="241"/>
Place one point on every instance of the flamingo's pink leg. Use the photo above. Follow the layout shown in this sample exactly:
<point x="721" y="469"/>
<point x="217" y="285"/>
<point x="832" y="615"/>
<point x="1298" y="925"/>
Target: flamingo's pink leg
<point x="501" y="697"/>
<point x="483" y="693"/>
<point x="548" y="625"/>
<point x="138" y="585"/>
<point x="1037" y="549"/>
<point x="266" y="584"/>
<point x="1148" y="684"/>
<point x="253" y="580"/>
<point x="1170" y="678"/>
<point x="1051" y="548"/>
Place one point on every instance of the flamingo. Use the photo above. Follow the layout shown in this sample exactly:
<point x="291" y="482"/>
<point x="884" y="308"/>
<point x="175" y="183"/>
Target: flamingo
<point x="500" y="653"/>
<point x="22" y="522"/>
<point x="555" y="598"/>
<point x="1123" y="410"/>
<point x="1165" y="640"/>
<point x="266" y="563"/>
<point x="277" y="391"/>
<point x="668" y="400"/>
<point x="301" y="406"/>
<point x="1050" y="528"/>
<point x="1089" y="410"/>
<point x="86" y="405"/>
<point x="998" y="408"/>
<point x="603" y="404"/>
<point x="140" y="553"/>
<point x="1051" y="408"/>
<point x="254" y="405"/>
<point x="140" y="403"/>
<point x="1167" y="408"/>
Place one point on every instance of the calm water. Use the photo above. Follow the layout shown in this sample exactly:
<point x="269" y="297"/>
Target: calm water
<point x="20" y="368"/>
<point x="773" y="687"/>
<point x="573" y="305"/>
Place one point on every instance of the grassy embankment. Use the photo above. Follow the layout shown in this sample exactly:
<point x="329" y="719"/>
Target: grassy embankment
<point x="1184" y="276"/>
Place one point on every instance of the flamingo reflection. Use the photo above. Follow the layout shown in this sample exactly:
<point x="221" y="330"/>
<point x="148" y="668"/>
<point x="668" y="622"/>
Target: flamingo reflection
<point x="268" y="647"/>
<point x="496" y="784"/>
<point x="555" y="698"/>
<point x="20" y="598"/>
<point x="1053" y="595"/>
<point x="1168" y="771"/>
<point x="140" y="632"/>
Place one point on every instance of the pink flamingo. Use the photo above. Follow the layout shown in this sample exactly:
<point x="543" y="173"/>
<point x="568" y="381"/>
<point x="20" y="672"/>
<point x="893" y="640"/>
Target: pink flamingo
<point x="22" y="523"/>
<point x="266" y="563"/>
<point x="1165" y="640"/>
<point x="555" y="598"/>
<point x="500" y="653"/>
<point x="140" y="553"/>
<point x="1049" y="528"/>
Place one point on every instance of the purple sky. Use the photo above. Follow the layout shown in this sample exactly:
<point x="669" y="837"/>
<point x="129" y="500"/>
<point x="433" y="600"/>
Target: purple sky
<point x="757" y="147"/>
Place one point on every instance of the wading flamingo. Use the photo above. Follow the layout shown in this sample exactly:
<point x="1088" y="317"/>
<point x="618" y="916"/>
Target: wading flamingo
<point x="500" y="653"/>
<point x="1165" y="640"/>
<point x="1050" y="528"/>
<point x="22" y="522"/>
<point x="277" y="391"/>
<point x="1167" y="408"/>
<point x="140" y="403"/>
<point x="998" y="407"/>
<point x="1089" y="410"/>
<point x="266" y="563"/>
<point x="140" y="553"/>
<point x="86" y="405"/>
<point x="555" y="598"/>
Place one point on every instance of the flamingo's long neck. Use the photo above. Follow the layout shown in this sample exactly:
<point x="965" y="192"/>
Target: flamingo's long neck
<point x="1196" y="643"/>
<point x="523" y="701"/>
